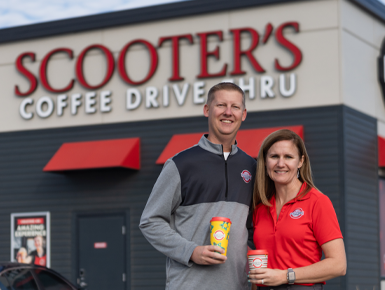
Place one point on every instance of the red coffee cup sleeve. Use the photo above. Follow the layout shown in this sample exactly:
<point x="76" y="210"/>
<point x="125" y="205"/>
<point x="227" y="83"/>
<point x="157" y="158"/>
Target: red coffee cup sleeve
<point x="257" y="252"/>
<point x="220" y="219"/>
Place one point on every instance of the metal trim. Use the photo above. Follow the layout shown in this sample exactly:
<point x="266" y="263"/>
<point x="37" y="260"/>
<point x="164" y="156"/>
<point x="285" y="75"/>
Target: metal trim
<point x="374" y="7"/>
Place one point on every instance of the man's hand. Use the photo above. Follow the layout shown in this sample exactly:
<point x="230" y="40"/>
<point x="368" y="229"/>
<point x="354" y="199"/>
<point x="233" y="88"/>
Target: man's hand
<point x="208" y="255"/>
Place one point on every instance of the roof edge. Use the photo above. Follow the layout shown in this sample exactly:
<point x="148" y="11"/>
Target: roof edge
<point x="373" y="7"/>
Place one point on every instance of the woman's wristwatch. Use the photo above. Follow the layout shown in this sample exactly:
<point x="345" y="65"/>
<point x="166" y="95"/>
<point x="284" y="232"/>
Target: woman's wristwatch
<point x="290" y="276"/>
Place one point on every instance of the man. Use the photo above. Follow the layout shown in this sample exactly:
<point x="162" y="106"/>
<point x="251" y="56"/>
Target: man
<point x="212" y="178"/>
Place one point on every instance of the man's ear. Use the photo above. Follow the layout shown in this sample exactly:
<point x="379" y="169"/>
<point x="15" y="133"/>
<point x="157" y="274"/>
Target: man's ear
<point x="244" y="114"/>
<point x="206" y="110"/>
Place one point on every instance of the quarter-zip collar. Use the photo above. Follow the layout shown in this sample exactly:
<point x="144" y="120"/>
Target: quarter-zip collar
<point x="215" y="148"/>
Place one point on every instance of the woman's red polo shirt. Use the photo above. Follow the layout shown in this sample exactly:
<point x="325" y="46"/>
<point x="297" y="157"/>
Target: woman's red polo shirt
<point x="303" y="226"/>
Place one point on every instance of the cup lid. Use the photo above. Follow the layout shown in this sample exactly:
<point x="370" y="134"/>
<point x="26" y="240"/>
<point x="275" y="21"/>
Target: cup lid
<point x="220" y="219"/>
<point x="257" y="252"/>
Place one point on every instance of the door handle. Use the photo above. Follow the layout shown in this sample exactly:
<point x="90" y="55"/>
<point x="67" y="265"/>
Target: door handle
<point x="81" y="280"/>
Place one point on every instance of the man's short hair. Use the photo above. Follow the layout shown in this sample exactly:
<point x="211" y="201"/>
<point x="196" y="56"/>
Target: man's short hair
<point x="225" y="86"/>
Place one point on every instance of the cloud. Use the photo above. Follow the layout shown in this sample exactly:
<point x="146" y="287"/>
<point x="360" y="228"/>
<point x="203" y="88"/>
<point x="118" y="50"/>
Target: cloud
<point x="13" y="19"/>
<point x="23" y="12"/>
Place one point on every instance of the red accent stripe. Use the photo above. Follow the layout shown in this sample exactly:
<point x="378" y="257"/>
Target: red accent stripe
<point x="381" y="151"/>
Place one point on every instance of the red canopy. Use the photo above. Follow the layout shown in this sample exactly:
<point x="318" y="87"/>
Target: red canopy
<point x="249" y="140"/>
<point x="96" y="154"/>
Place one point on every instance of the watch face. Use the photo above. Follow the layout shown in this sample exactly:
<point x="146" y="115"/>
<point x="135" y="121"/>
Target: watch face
<point x="291" y="276"/>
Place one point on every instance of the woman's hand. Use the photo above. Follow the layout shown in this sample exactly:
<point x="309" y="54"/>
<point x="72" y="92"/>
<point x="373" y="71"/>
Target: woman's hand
<point x="270" y="277"/>
<point x="332" y="266"/>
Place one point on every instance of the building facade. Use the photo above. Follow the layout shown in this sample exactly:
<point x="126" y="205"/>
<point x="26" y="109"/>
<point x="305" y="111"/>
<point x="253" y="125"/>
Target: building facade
<point x="141" y="76"/>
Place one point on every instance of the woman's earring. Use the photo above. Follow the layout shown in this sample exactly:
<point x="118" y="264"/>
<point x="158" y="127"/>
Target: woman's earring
<point x="298" y="173"/>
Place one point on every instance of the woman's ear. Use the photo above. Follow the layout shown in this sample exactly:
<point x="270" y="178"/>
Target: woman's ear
<point x="301" y="161"/>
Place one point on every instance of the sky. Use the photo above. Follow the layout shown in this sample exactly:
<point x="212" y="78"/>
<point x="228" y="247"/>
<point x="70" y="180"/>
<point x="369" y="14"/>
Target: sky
<point x="24" y="12"/>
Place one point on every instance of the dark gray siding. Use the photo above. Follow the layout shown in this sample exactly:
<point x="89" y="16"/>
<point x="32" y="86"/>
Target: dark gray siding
<point x="361" y="200"/>
<point x="328" y="130"/>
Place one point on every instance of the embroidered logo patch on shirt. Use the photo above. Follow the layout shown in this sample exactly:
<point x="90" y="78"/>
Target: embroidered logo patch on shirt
<point x="297" y="213"/>
<point x="246" y="175"/>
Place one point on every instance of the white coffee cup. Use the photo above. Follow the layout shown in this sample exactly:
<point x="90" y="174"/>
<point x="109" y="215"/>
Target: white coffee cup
<point x="257" y="259"/>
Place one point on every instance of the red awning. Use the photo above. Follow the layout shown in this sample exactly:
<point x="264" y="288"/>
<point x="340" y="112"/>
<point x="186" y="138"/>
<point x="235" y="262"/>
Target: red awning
<point x="249" y="140"/>
<point x="96" y="154"/>
<point x="381" y="151"/>
<point x="178" y="143"/>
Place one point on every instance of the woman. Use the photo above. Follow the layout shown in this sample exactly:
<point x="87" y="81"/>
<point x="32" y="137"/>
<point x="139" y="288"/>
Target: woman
<point x="39" y="256"/>
<point x="293" y="220"/>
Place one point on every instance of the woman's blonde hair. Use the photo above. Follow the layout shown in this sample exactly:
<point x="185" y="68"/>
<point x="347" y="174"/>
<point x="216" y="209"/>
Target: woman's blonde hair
<point x="264" y="187"/>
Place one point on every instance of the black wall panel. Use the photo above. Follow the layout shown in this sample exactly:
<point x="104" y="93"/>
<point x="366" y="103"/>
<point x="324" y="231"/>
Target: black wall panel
<point x="361" y="200"/>
<point x="25" y="187"/>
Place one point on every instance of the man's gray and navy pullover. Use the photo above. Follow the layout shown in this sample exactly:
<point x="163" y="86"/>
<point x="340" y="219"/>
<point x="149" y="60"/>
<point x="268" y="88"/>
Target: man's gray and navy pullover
<point x="194" y="186"/>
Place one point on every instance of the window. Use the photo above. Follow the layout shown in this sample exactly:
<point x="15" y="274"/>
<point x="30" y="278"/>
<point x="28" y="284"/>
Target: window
<point x="20" y="279"/>
<point x="4" y="285"/>
<point x="51" y="281"/>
